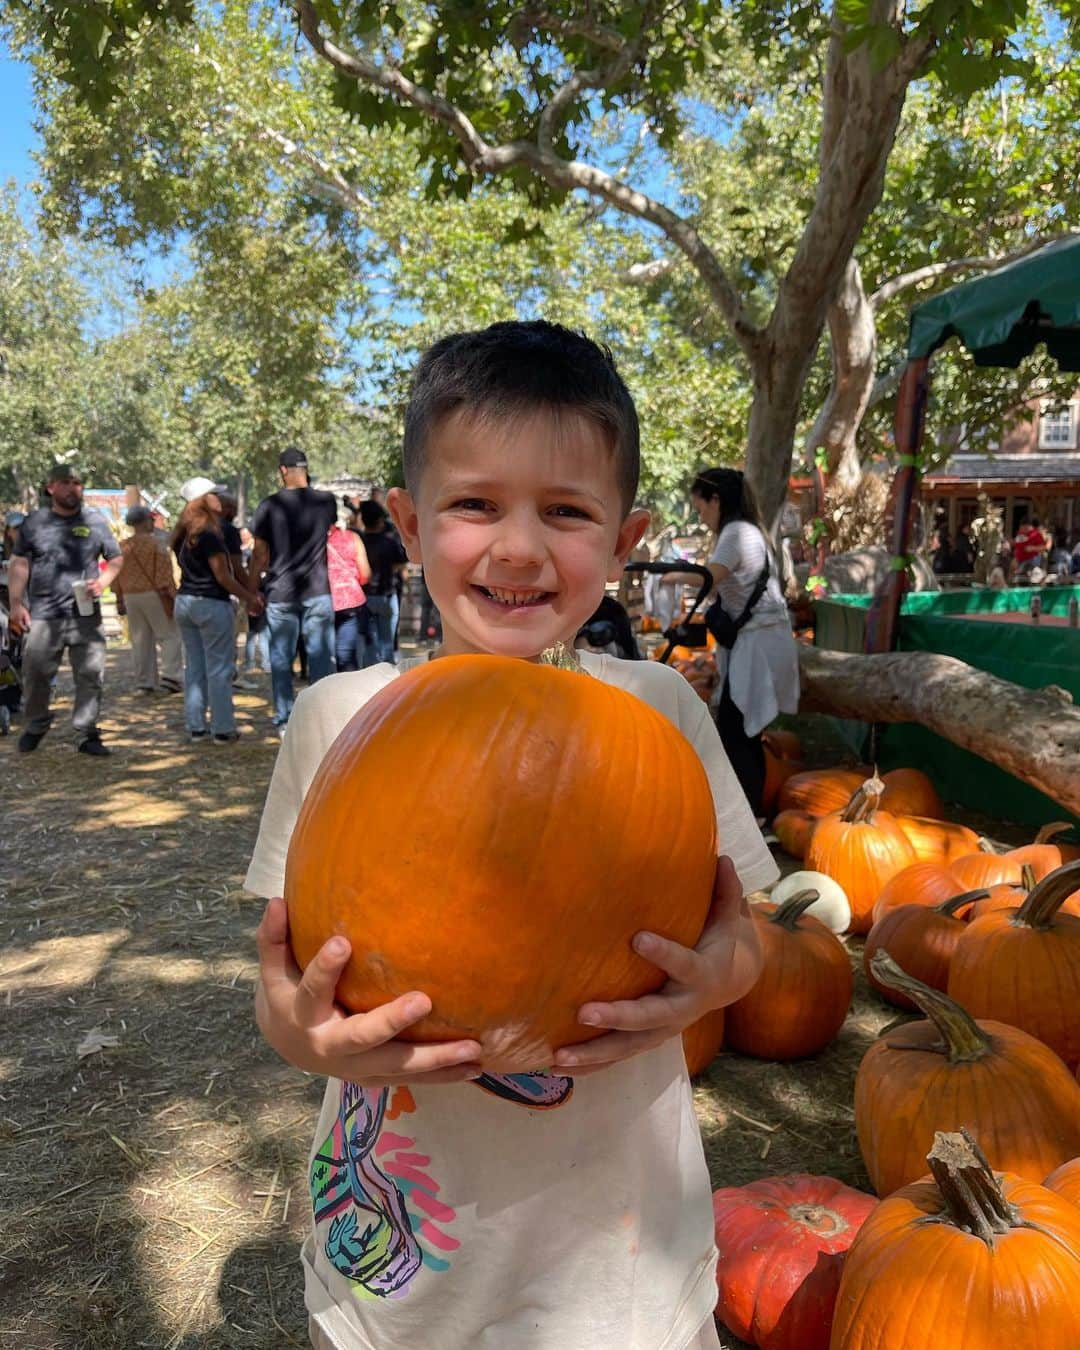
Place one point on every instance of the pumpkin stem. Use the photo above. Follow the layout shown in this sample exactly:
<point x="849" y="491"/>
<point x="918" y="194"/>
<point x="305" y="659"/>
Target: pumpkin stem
<point x="962" y="1039"/>
<point x="1044" y="900"/>
<point x="1048" y="831"/>
<point x="793" y="908"/>
<point x="974" y="1201"/>
<point x="864" y="801"/>
<point x="956" y="902"/>
<point x="562" y="656"/>
<point x="988" y="846"/>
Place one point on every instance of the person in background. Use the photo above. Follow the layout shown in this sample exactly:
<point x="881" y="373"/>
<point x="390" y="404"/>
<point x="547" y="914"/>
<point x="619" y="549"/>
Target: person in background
<point x="204" y="616"/>
<point x="1030" y="544"/>
<point x="608" y="630"/>
<point x="759" y="676"/>
<point x="55" y="556"/>
<point x="1060" y="560"/>
<point x="234" y="545"/>
<point x="145" y="588"/>
<point x="256" y="651"/>
<point x="349" y="570"/>
<point x="387" y="559"/>
<point x="290" y="530"/>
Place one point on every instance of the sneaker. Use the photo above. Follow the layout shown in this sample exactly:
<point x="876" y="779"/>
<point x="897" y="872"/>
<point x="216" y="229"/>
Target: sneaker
<point x="225" y="737"/>
<point x="147" y="689"/>
<point x="93" y="745"/>
<point x="198" y="735"/>
<point x="242" y="682"/>
<point x="30" y="740"/>
<point x="171" y="686"/>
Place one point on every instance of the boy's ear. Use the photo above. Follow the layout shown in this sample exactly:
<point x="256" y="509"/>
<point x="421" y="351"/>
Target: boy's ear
<point x="631" y="533"/>
<point x="403" y="513"/>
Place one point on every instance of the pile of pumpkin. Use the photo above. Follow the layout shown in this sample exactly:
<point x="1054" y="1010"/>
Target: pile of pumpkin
<point x="986" y="946"/>
<point x="697" y="665"/>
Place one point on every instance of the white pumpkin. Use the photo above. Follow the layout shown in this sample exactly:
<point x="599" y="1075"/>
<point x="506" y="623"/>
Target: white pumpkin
<point x="830" y="908"/>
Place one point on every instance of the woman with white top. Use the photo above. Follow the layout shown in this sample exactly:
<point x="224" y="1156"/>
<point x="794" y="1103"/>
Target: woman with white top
<point x="759" y="676"/>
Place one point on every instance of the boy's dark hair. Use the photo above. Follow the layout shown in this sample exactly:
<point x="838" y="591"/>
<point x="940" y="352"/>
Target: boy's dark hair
<point x="512" y="368"/>
<point x="372" y="515"/>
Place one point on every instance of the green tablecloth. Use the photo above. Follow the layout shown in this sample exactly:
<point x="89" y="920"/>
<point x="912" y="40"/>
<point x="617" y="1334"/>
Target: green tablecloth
<point x="1026" y="654"/>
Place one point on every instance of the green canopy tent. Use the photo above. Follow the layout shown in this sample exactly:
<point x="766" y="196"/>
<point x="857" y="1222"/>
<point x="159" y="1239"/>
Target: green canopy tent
<point x="1000" y="318"/>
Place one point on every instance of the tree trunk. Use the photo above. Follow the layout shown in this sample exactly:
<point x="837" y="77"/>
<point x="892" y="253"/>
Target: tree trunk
<point x="1033" y="734"/>
<point x="778" y="378"/>
<point x="853" y="345"/>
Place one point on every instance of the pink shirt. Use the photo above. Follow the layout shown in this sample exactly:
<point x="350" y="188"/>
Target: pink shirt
<point x="345" y="589"/>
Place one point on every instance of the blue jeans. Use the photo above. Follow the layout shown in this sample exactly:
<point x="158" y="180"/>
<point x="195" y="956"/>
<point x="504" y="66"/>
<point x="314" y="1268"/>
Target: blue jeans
<point x="255" y="650"/>
<point x="315" y="619"/>
<point x="379" y="644"/>
<point x="350" y="628"/>
<point x="207" y="630"/>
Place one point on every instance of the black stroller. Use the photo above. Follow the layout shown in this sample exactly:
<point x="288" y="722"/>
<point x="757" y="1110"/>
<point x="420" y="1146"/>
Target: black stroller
<point x="10" y="664"/>
<point x="690" y="632"/>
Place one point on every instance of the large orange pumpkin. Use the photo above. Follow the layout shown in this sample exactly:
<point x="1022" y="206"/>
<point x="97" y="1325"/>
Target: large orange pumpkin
<point x="921" y="940"/>
<point x="1066" y="1180"/>
<point x="777" y="772"/>
<point x="908" y="792"/>
<point x="950" y="1071"/>
<point x="967" y="1261"/>
<point x="552" y="818"/>
<point x="793" y="830"/>
<point x="927" y="883"/>
<point x="819" y="791"/>
<point x="1044" y="856"/>
<point x="803" y="992"/>
<point x="783" y="744"/>
<point x="1012" y="897"/>
<point x="702" y="1041"/>
<point x="1022" y="966"/>
<point x="862" y="848"/>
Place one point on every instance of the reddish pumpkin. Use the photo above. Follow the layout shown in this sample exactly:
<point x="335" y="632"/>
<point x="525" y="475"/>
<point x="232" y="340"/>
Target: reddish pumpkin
<point x="783" y="744"/>
<point x="1022" y="966"/>
<point x="778" y="772"/>
<point x="819" y="791"/>
<point x="781" y="1242"/>
<point x="1044" y="856"/>
<point x="938" y="841"/>
<point x="702" y="1041"/>
<point x="927" y="883"/>
<point x="950" y="1071"/>
<point x="908" y="792"/>
<point x="862" y="848"/>
<point x="966" y="1261"/>
<point x="921" y="940"/>
<point x="1065" y="1180"/>
<point x="489" y="909"/>
<point x="804" y="991"/>
<point x="793" y="830"/>
<point x="1012" y="897"/>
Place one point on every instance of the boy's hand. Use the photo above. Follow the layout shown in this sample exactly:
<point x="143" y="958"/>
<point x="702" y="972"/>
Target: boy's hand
<point x="298" y="1016"/>
<point x="720" y="969"/>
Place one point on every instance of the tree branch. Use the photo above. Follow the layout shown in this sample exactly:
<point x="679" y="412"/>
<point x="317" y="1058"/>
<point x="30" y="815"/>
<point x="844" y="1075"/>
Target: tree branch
<point x="482" y="158"/>
<point x="889" y="289"/>
<point x="643" y="274"/>
<point x="596" y="33"/>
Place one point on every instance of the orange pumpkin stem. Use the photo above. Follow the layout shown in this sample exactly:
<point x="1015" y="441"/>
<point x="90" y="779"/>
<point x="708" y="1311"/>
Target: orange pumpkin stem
<point x="956" y="902"/>
<point x="793" y="908"/>
<point x="1044" y="900"/>
<point x="962" y="1039"/>
<point x="988" y="846"/>
<point x="864" y="801"/>
<point x="973" y="1199"/>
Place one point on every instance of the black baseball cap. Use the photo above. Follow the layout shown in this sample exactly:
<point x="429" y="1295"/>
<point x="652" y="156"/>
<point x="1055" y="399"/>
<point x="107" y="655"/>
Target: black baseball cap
<point x="292" y="458"/>
<point x="60" y="473"/>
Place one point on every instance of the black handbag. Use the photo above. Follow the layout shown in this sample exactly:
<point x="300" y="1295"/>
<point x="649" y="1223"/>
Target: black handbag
<point x="719" y="622"/>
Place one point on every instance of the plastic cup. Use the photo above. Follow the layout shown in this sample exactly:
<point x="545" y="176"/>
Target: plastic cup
<point x="84" y="601"/>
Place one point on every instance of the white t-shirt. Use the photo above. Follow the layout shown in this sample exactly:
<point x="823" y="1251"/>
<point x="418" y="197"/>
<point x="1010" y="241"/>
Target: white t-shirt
<point x="741" y="547"/>
<point x="522" y="1212"/>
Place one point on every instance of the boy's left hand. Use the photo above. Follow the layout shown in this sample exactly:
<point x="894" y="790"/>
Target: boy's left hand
<point x="721" y="968"/>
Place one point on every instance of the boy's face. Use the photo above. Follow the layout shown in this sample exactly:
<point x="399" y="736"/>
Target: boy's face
<point x="518" y="524"/>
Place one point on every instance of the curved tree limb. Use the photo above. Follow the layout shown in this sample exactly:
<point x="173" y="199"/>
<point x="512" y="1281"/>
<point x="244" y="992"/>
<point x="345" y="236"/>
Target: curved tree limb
<point x="893" y="287"/>
<point x="1034" y="734"/>
<point x="853" y="345"/>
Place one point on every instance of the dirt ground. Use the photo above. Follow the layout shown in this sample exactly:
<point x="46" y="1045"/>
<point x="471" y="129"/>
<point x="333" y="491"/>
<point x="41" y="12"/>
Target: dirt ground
<point x="152" y="1189"/>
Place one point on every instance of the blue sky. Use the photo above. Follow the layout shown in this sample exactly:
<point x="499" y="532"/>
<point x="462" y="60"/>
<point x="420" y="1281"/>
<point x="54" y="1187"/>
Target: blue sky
<point x="16" y="117"/>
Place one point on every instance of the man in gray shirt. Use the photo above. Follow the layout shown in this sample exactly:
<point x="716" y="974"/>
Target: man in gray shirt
<point x="57" y="548"/>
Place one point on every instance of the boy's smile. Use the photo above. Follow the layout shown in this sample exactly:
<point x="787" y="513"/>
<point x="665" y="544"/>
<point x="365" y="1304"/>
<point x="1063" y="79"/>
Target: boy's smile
<point x="518" y="524"/>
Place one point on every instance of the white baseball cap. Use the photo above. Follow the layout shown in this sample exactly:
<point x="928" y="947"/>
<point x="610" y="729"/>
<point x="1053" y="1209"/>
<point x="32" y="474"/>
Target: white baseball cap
<point x="199" y="487"/>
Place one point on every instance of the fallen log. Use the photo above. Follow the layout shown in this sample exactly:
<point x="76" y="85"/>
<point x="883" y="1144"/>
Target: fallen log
<point x="1033" y="734"/>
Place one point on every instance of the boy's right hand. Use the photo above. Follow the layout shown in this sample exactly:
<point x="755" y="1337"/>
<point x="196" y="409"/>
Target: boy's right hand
<point x="298" y="1016"/>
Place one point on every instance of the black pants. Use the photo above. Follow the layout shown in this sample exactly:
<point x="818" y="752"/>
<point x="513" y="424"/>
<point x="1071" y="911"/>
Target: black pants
<point x="747" y="753"/>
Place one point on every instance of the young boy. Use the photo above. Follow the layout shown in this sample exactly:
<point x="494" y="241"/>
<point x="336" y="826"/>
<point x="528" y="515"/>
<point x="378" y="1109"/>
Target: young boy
<point x="454" y="1209"/>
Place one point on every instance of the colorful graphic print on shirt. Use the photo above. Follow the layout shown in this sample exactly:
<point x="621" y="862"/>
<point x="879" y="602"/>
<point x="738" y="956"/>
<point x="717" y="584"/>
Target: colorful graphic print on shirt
<point x="377" y="1209"/>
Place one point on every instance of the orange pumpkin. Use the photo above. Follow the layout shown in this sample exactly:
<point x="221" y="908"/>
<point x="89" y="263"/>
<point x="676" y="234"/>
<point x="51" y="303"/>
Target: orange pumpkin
<point x="819" y="791"/>
<point x="949" y="1071"/>
<point x="921" y="940"/>
<point x="793" y="830"/>
<point x="908" y="792"/>
<point x="1065" y="1180"/>
<point x="1022" y="966"/>
<point x="862" y="848"/>
<point x="777" y="773"/>
<point x="536" y="782"/>
<point x="1012" y="897"/>
<point x="966" y="1261"/>
<point x="783" y="744"/>
<point x="927" y="883"/>
<point x="804" y="991"/>
<point x="702" y="1041"/>
<point x="1043" y="856"/>
<point x="937" y="841"/>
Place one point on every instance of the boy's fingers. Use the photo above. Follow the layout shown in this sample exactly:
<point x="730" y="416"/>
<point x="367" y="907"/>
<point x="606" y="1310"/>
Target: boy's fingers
<point x="364" y="1031"/>
<point x="676" y="961"/>
<point x="727" y="890"/>
<point x="651" y="1012"/>
<point x="277" y="969"/>
<point x="314" y="999"/>
<point x="605" y="1050"/>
